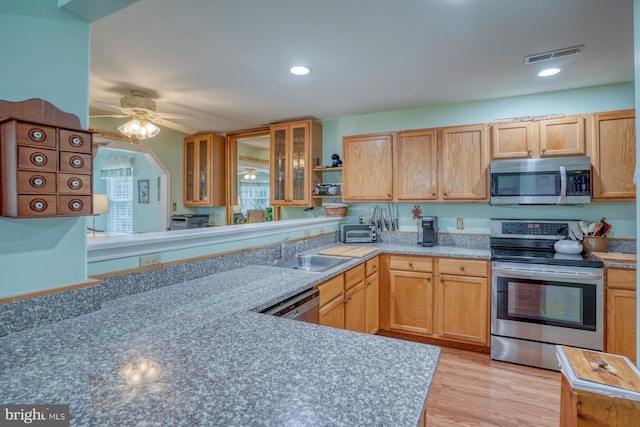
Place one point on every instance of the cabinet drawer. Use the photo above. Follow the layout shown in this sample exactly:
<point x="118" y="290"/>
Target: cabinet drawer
<point x="37" y="205"/>
<point x="74" y="205"/>
<point x="463" y="267"/>
<point x="32" y="158"/>
<point x="354" y="276"/>
<point x="410" y="263"/>
<point x="371" y="266"/>
<point x="31" y="134"/>
<point x="75" y="162"/>
<point x="80" y="142"/>
<point x="331" y="289"/>
<point x="74" y="183"/>
<point x="36" y="182"/>
<point x="621" y="279"/>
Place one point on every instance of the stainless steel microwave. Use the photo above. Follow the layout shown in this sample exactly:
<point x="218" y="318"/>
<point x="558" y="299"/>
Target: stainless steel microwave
<point x="549" y="181"/>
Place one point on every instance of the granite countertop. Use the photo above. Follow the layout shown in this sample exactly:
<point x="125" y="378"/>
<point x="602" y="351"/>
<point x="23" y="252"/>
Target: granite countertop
<point x="209" y="358"/>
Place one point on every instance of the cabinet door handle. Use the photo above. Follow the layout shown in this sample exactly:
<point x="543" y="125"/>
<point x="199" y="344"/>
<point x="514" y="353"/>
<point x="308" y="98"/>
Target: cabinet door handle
<point x="462" y="268"/>
<point x="433" y="194"/>
<point x="368" y="283"/>
<point x="344" y="302"/>
<point x="410" y="265"/>
<point x="529" y="151"/>
<point x="544" y="150"/>
<point x="445" y="193"/>
<point x="349" y="297"/>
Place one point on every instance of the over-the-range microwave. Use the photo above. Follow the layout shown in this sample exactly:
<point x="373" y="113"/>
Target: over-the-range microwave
<point x="548" y="181"/>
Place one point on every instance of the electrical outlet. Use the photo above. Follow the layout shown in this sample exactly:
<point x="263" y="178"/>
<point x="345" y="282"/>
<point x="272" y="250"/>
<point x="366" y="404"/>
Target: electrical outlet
<point x="175" y="206"/>
<point x="460" y="223"/>
<point x="307" y="233"/>
<point x="150" y="259"/>
<point x="361" y="219"/>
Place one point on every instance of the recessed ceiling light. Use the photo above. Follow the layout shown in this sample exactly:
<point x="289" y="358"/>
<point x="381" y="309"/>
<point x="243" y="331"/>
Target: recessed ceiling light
<point x="549" y="72"/>
<point x="300" y="70"/>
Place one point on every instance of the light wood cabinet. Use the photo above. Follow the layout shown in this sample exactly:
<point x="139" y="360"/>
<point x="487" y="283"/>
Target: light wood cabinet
<point x="332" y="302"/>
<point x="463" y="158"/>
<point x="372" y="295"/>
<point x="410" y="294"/>
<point x="204" y="170"/>
<point x="343" y="300"/>
<point x="448" y="164"/>
<point x="613" y="155"/>
<point x="559" y="137"/>
<point x="295" y="146"/>
<point x="415" y="171"/>
<point x="463" y="301"/>
<point x="367" y="167"/>
<point x="621" y="312"/>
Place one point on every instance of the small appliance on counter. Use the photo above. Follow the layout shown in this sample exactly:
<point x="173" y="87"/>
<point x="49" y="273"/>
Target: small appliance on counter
<point x="428" y="231"/>
<point x="358" y="233"/>
<point x="185" y="221"/>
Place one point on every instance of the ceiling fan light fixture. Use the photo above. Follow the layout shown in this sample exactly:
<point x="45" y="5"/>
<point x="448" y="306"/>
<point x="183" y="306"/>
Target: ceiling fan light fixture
<point x="139" y="128"/>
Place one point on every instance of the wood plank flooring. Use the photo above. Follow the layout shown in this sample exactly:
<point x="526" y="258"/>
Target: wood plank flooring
<point x="470" y="389"/>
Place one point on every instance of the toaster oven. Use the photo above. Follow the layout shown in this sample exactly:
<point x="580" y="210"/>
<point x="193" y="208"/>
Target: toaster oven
<point x="358" y="233"/>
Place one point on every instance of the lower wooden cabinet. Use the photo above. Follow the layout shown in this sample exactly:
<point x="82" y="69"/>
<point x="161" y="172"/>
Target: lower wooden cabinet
<point x="372" y="296"/>
<point x="347" y="300"/>
<point x="463" y="301"/>
<point x="621" y="312"/>
<point x="440" y="298"/>
<point x="410" y="294"/>
<point x="332" y="302"/>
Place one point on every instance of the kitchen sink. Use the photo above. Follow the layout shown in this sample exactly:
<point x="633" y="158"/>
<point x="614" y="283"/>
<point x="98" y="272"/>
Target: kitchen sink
<point x="310" y="262"/>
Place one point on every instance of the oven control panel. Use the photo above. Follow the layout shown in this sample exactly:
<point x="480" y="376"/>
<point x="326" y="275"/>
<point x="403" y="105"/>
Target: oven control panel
<point x="536" y="229"/>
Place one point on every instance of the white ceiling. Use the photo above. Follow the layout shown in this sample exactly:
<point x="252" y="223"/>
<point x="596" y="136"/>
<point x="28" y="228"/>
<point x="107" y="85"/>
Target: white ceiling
<point x="227" y="61"/>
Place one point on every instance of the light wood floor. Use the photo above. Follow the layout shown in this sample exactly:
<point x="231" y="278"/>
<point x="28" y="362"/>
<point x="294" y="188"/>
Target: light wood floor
<point x="470" y="389"/>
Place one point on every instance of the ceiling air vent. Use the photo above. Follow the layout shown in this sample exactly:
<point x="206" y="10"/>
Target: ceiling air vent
<point x="548" y="56"/>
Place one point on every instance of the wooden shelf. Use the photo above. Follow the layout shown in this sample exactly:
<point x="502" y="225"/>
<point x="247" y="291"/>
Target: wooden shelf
<point x="327" y="169"/>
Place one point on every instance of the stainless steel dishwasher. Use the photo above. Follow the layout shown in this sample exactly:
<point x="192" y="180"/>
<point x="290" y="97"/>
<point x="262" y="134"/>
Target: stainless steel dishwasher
<point x="304" y="306"/>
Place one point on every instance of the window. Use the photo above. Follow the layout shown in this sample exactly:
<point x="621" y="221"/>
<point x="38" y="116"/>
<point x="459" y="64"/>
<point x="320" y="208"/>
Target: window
<point x="120" y="195"/>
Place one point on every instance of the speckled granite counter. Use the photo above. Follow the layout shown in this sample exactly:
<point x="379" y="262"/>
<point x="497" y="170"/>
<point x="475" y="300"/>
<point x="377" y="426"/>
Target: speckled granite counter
<point x="197" y="353"/>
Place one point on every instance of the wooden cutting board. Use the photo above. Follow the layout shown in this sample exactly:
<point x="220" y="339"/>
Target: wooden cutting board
<point x="583" y="363"/>
<point x="348" y="251"/>
<point x="615" y="257"/>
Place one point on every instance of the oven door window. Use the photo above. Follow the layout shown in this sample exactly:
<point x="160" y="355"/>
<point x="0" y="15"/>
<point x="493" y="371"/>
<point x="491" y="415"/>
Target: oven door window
<point x="568" y="305"/>
<point x="525" y="184"/>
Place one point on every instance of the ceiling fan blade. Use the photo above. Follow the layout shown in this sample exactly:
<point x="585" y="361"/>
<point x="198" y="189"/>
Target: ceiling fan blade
<point x="106" y="104"/>
<point x="118" y="116"/>
<point x="174" y="126"/>
<point x="173" y="115"/>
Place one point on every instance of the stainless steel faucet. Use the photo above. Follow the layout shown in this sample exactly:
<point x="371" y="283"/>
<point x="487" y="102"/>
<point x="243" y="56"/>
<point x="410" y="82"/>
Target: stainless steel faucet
<point x="284" y="249"/>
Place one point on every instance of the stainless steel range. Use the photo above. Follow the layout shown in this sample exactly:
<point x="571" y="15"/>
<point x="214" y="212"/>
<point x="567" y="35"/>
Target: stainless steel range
<point x="541" y="298"/>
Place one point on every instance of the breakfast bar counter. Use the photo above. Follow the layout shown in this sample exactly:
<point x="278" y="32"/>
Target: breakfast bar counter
<point x="199" y="353"/>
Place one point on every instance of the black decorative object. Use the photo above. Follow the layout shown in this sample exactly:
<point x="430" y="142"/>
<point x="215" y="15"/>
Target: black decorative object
<point x="336" y="161"/>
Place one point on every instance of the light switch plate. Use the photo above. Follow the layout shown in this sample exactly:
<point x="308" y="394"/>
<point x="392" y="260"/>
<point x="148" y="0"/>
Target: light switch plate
<point x="460" y="223"/>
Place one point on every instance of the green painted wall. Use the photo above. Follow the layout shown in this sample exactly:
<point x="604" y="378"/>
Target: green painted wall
<point x="45" y="54"/>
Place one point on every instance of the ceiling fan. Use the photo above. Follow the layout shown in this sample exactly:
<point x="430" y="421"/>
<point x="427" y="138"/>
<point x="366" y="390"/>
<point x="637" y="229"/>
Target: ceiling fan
<point x="142" y="110"/>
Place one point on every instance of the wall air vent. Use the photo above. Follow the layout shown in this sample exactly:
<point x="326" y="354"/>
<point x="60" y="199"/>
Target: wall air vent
<point x="556" y="54"/>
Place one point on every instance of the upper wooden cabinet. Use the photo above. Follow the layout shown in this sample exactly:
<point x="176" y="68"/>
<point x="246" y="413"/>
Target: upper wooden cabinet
<point x="613" y="155"/>
<point x="295" y="146"/>
<point x="415" y="172"/>
<point x="367" y="167"/>
<point x="204" y="170"/>
<point x="559" y="137"/>
<point x="463" y="158"/>
<point x="448" y="164"/>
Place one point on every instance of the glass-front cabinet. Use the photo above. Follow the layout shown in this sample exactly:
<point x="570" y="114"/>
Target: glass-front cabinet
<point x="295" y="148"/>
<point x="204" y="170"/>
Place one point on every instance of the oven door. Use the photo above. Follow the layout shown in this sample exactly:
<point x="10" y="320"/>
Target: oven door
<point x="548" y="303"/>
